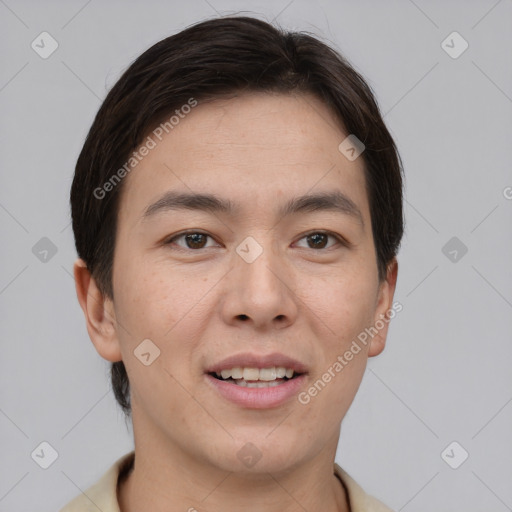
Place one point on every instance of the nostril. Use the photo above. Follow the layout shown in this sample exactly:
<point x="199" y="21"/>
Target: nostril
<point x="243" y="317"/>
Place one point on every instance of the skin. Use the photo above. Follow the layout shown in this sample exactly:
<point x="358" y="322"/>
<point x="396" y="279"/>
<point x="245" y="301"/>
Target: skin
<point x="202" y="305"/>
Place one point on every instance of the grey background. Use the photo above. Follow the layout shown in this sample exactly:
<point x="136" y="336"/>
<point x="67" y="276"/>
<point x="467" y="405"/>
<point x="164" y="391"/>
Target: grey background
<point x="445" y="375"/>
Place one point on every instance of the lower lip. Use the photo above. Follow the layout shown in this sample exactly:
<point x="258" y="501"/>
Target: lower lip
<point x="258" y="398"/>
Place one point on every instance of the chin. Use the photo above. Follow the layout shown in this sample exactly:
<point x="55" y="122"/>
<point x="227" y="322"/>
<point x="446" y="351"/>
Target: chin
<point x="258" y="454"/>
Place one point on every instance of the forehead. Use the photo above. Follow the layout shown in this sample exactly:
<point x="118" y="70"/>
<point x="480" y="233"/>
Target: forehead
<point x="253" y="149"/>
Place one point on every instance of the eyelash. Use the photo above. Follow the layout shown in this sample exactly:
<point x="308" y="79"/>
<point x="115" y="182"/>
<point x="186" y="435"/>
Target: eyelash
<point x="338" y="238"/>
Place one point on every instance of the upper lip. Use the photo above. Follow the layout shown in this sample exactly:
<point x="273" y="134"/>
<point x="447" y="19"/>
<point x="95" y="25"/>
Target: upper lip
<point x="250" y="360"/>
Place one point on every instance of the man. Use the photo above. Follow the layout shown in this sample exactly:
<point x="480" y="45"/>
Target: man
<point x="237" y="210"/>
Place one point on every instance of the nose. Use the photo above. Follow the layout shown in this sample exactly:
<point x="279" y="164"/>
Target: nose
<point x="260" y="292"/>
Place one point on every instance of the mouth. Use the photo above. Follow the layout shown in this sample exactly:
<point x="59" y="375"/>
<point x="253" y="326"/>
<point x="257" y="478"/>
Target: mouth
<point x="256" y="377"/>
<point x="257" y="382"/>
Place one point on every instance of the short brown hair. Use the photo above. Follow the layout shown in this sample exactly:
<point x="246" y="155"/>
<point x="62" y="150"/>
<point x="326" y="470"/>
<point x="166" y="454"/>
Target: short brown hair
<point x="206" y="61"/>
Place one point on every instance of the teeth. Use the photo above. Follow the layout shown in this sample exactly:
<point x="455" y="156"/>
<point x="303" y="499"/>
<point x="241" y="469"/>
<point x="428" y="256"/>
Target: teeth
<point x="237" y="373"/>
<point x="260" y="384"/>
<point x="251" y="374"/>
<point x="268" y="374"/>
<point x="264" y="375"/>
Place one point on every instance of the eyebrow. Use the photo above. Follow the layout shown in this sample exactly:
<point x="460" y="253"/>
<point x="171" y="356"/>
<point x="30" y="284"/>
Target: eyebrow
<point x="328" y="201"/>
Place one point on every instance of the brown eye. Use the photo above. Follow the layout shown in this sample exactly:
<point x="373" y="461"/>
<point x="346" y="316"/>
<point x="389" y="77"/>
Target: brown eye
<point x="317" y="240"/>
<point x="195" y="240"/>
<point x="321" y="240"/>
<point x="191" y="240"/>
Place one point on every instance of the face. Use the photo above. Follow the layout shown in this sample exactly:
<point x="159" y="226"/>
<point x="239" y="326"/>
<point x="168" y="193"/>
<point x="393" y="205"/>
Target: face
<point x="276" y="268"/>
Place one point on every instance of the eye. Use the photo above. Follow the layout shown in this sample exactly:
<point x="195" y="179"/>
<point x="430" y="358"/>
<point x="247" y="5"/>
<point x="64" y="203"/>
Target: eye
<point x="197" y="240"/>
<point x="192" y="240"/>
<point x="320" y="240"/>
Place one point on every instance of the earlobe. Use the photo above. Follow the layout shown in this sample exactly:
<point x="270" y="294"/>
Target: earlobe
<point x="99" y="313"/>
<point x="383" y="308"/>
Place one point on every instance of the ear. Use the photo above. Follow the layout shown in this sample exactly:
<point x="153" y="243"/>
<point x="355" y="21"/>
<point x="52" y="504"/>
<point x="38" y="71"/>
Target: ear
<point x="383" y="309"/>
<point x="99" y="313"/>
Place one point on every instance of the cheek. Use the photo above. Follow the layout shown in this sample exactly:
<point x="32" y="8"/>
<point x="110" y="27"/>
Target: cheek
<point x="344" y="304"/>
<point x="153" y="306"/>
<point x="149" y="298"/>
<point x="161" y="304"/>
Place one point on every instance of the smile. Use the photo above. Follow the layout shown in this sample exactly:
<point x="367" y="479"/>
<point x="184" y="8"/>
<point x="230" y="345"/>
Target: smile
<point x="257" y="394"/>
<point x="256" y="377"/>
